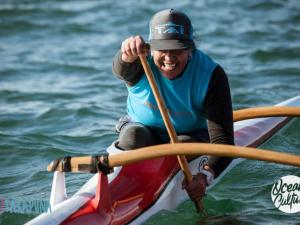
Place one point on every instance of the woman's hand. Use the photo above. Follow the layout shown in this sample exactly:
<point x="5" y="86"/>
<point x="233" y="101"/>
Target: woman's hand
<point x="132" y="47"/>
<point x="196" y="188"/>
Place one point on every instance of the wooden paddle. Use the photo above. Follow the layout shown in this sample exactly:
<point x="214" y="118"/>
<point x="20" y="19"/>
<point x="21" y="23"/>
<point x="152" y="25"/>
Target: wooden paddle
<point x="170" y="128"/>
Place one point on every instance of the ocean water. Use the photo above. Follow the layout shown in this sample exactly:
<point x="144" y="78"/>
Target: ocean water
<point x="58" y="95"/>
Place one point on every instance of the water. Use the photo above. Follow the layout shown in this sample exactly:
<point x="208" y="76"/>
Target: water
<point x="59" y="97"/>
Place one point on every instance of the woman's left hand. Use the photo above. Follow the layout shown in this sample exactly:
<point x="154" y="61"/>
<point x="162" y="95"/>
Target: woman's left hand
<point x="196" y="188"/>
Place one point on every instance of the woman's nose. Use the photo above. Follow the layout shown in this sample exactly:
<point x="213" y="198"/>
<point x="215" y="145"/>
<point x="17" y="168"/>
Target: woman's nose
<point x="168" y="54"/>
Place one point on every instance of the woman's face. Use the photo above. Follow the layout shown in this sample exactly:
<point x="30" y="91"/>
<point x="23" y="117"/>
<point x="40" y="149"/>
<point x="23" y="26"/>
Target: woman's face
<point x="171" y="63"/>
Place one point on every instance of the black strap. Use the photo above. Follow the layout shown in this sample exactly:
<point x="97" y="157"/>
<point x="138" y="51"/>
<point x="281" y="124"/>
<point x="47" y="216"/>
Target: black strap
<point x="66" y="164"/>
<point x="100" y="164"/>
<point x="55" y="165"/>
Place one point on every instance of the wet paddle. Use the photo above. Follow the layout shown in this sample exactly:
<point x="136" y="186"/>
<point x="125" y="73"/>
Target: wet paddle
<point x="170" y="128"/>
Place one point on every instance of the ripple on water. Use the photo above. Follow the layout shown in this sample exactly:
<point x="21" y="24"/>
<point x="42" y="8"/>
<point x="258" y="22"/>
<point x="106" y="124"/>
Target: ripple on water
<point x="275" y="54"/>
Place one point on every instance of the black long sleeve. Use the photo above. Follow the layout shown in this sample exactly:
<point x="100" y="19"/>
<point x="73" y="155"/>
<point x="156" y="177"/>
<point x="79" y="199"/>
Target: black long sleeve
<point x="131" y="73"/>
<point x="218" y="111"/>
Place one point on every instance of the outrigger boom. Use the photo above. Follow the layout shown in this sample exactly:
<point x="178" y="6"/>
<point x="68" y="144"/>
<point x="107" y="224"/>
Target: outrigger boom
<point x="104" y="163"/>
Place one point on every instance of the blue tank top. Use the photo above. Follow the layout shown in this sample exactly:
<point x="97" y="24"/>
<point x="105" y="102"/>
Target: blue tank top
<point x="183" y="96"/>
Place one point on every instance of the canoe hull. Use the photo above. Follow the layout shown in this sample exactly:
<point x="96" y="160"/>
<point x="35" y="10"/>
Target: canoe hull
<point x="135" y="192"/>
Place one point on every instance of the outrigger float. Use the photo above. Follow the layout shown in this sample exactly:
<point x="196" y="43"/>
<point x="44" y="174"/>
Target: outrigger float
<point x="148" y="180"/>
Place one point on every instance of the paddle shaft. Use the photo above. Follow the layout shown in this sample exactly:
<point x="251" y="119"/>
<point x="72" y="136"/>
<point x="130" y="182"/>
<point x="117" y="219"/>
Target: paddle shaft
<point x="170" y="128"/>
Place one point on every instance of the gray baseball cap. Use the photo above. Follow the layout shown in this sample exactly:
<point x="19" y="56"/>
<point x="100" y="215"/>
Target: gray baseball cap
<point x="170" y="30"/>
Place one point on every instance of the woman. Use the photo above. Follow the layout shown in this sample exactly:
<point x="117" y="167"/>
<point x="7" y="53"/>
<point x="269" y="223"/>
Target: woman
<point x="194" y="87"/>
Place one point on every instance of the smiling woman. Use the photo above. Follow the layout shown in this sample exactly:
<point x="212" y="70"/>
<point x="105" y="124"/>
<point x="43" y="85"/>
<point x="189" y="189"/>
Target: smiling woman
<point x="194" y="89"/>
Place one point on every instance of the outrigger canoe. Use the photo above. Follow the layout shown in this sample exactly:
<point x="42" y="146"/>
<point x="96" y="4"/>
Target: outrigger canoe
<point x="134" y="192"/>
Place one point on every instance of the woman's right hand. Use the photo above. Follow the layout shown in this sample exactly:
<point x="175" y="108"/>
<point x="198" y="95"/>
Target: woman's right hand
<point x="132" y="47"/>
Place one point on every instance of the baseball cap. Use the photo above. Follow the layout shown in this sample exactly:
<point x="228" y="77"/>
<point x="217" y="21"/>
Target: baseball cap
<point x="170" y="30"/>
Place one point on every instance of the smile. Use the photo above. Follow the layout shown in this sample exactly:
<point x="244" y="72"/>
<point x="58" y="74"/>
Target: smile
<point x="169" y="66"/>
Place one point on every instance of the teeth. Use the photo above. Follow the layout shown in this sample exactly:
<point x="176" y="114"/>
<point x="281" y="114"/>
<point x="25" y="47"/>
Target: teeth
<point x="170" y="66"/>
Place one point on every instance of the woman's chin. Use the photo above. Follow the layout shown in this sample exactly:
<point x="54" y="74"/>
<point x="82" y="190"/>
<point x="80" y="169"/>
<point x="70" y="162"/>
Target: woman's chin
<point x="169" y="75"/>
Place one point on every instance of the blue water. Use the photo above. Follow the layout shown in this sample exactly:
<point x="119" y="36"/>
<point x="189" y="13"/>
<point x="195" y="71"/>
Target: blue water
<point x="58" y="95"/>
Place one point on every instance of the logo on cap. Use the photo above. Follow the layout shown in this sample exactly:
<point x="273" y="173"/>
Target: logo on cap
<point x="169" y="28"/>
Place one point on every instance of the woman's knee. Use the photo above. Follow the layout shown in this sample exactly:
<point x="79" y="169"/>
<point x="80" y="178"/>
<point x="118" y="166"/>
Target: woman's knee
<point x="136" y="135"/>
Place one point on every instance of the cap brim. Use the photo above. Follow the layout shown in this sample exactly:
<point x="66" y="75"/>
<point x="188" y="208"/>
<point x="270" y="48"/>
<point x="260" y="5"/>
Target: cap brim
<point x="172" y="44"/>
